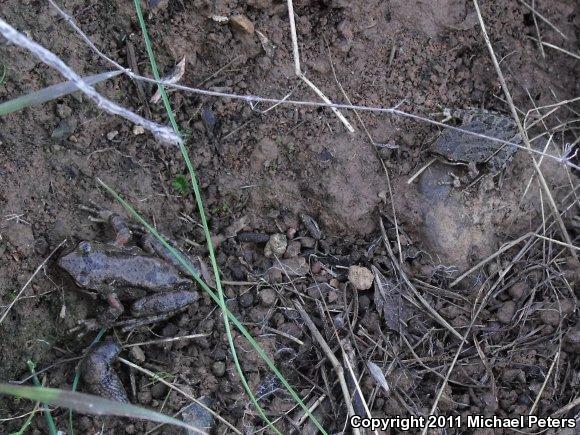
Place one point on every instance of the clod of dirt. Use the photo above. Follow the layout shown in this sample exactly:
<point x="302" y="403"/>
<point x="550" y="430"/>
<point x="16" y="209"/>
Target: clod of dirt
<point x="572" y="340"/>
<point x="517" y="290"/>
<point x="218" y="369"/>
<point x="276" y="245"/>
<point x="506" y="312"/>
<point x="360" y="277"/>
<point x="241" y="23"/>
<point x="293" y="267"/>
<point x="267" y="297"/>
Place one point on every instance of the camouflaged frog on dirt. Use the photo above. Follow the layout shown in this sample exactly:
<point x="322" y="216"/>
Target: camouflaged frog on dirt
<point x="147" y="275"/>
<point x="461" y="148"/>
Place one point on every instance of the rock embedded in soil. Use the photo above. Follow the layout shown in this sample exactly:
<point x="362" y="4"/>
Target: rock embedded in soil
<point x="360" y="277"/>
<point x="292" y="267"/>
<point x="242" y="24"/>
<point x="276" y="246"/>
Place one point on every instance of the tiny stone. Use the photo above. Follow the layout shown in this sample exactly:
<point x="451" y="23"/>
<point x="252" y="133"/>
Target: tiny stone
<point x="550" y="316"/>
<point x="506" y="312"/>
<point x="267" y="297"/>
<point x="308" y="242"/>
<point x="137" y="353"/>
<point x="218" y="368"/>
<point x="137" y="130"/>
<point x="276" y="245"/>
<point x="334" y="282"/>
<point x="360" y="277"/>
<point x="112" y="134"/>
<point x="316" y="267"/>
<point x="130" y="429"/>
<point x="332" y="297"/>
<point x="242" y="23"/>
<point x="63" y="111"/>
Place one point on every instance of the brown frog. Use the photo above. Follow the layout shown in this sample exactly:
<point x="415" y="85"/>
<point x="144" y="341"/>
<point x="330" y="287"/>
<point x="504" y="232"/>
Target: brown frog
<point x="148" y="276"/>
<point x="461" y="148"/>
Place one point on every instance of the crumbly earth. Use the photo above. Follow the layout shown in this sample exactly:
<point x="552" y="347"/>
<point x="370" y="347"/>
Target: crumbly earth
<point x="260" y="166"/>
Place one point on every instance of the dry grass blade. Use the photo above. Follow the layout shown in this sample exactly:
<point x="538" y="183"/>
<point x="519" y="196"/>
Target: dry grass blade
<point x="415" y="292"/>
<point x="180" y="391"/>
<point x="522" y="132"/>
<point x="89" y="404"/>
<point x="378" y="376"/>
<point x="388" y="300"/>
<point x="339" y="370"/>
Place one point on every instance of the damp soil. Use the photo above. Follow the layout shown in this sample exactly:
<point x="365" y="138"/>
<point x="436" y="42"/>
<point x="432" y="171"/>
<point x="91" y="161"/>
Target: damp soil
<point x="261" y="167"/>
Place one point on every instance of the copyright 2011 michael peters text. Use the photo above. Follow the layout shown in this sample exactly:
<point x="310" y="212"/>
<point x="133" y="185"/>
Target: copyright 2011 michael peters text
<point x="461" y="421"/>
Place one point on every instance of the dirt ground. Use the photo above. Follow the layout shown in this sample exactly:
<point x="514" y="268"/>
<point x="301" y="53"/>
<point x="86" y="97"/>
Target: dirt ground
<point x="260" y="168"/>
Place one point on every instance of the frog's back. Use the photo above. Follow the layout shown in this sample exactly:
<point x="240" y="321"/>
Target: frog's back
<point x="460" y="146"/>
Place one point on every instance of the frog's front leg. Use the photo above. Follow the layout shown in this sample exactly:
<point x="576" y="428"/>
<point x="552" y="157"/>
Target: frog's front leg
<point x="122" y="230"/>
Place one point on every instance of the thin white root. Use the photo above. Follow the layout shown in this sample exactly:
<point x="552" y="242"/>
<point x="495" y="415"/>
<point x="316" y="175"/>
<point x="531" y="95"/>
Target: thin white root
<point x="162" y="133"/>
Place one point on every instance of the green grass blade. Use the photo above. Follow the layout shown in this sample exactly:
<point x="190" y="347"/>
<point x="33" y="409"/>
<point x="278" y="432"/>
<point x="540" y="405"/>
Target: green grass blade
<point x="51" y="93"/>
<point x="77" y="377"/>
<point x="201" y="210"/>
<point x="47" y="415"/>
<point x="187" y="265"/>
<point x="89" y="404"/>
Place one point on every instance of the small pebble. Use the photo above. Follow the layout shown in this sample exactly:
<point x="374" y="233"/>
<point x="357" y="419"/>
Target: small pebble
<point x="137" y="353"/>
<point x="247" y="300"/>
<point x="158" y="391"/>
<point x="112" y="134"/>
<point x="63" y="111"/>
<point x="360" y="277"/>
<point x="137" y="130"/>
<point x="506" y="312"/>
<point x="316" y="267"/>
<point x="252" y="237"/>
<point x="218" y="368"/>
<point x="276" y="245"/>
<point x="308" y="242"/>
<point x="241" y="23"/>
<point x="267" y="297"/>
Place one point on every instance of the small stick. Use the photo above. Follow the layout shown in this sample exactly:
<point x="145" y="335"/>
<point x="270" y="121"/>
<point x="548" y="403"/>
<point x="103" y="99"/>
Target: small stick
<point x="179" y="390"/>
<point x="415" y="292"/>
<point x="535" y="405"/>
<point x="301" y="75"/>
<point x="420" y="171"/>
<point x="331" y="357"/>
<point x="165" y="340"/>
<point x="40" y="266"/>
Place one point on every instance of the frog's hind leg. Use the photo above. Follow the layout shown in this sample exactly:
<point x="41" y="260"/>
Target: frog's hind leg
<point x="122" y="230"/>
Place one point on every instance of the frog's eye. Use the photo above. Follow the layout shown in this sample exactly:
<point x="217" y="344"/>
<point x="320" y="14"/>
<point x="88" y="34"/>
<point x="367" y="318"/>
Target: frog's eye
<point x="83" y="280"/>
<point x="85" y="247"/>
